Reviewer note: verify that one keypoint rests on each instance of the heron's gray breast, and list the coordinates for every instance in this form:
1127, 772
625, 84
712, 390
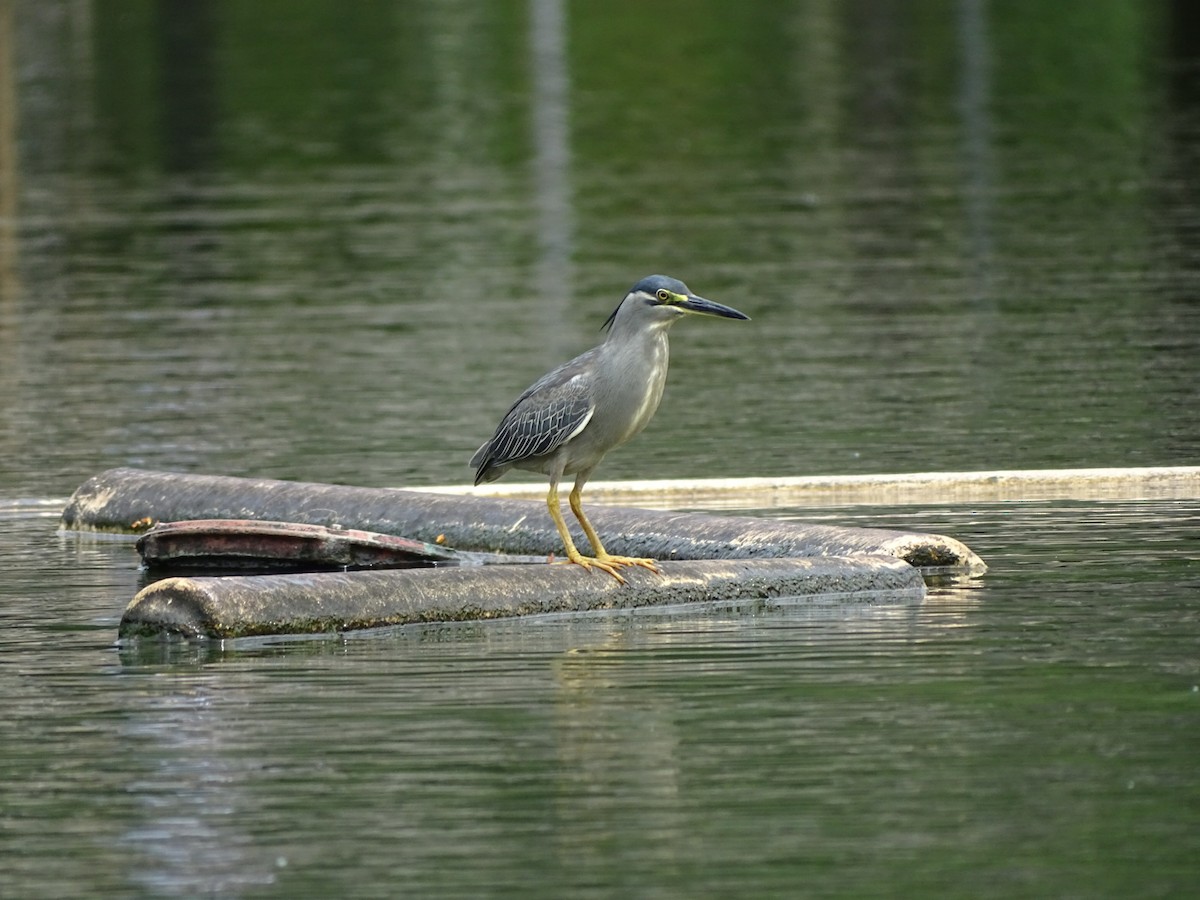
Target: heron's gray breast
629, 394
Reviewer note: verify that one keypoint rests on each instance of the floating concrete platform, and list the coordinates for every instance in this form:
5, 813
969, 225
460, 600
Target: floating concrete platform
703, 557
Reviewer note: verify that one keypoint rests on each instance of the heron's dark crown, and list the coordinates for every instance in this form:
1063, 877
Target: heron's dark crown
650, 285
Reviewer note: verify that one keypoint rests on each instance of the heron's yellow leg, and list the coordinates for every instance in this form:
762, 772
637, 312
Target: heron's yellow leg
573, 554
556, 514
603, 559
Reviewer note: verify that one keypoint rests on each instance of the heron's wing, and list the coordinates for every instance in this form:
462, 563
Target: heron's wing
539, 425
552, 411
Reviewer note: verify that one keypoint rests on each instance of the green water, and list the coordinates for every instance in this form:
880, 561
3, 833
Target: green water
332, 242
1032, 733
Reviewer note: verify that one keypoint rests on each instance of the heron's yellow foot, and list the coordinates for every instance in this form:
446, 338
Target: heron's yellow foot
610, 564
631, 561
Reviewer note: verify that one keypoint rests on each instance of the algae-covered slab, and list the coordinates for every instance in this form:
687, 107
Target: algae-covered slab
242, 606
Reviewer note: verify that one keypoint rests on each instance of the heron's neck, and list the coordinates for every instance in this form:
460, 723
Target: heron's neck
626, 332
642, 353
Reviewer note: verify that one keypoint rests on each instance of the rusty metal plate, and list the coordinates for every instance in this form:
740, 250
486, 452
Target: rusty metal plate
278, 546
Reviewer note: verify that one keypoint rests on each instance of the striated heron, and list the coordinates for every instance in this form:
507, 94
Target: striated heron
572, 416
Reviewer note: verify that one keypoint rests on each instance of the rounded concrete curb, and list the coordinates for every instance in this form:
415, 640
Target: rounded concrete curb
244, 606
121, 499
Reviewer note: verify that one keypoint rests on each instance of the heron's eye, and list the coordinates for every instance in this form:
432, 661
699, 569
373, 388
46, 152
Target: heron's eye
664, 295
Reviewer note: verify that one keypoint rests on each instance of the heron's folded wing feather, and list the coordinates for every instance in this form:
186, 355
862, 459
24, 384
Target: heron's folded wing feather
539, 424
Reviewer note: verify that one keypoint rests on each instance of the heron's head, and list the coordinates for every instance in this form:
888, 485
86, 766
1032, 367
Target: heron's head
660, 300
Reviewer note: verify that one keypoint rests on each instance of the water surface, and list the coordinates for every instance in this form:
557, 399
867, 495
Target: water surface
334, 245
1031, 732
332, 242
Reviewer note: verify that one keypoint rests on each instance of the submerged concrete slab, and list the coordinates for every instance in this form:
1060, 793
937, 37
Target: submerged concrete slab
243, 606
124, 499
1125, 483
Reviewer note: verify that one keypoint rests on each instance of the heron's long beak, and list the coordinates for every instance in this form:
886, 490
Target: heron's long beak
710, 308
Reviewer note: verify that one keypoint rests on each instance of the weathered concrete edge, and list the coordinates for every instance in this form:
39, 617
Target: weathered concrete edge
116, 499
1132, 483
237, 606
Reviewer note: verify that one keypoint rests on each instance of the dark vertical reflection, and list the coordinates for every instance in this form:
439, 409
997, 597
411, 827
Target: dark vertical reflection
882, 119
974, 108
8, 167
1184, 53
1183, 129
1178, 319
186, 34
9, 280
